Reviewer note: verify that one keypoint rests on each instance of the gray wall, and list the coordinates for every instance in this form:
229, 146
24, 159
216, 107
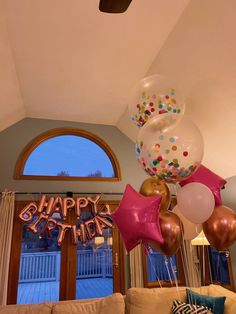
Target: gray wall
16, 137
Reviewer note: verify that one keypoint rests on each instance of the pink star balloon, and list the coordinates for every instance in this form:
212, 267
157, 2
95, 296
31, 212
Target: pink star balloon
210, 179
137, 218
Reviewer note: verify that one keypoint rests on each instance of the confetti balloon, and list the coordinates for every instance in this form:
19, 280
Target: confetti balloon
154, 95
169, 147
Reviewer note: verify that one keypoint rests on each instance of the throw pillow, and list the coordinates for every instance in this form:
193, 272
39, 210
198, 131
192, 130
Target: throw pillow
185, 308
216, 304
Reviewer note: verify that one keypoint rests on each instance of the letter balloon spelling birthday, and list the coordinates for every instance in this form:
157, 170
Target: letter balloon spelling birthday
154, 95
170, 147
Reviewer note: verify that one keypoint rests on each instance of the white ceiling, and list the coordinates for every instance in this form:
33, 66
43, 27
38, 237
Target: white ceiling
66, 60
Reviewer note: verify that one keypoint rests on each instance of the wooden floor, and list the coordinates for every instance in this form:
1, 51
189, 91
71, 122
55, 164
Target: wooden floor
49, 291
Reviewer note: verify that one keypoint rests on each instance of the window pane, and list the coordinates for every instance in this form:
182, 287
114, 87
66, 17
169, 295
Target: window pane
219, 266
69, 155
39, 273
94, 272
160, 267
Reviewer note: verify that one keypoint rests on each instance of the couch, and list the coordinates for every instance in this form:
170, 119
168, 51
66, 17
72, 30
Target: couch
136, 301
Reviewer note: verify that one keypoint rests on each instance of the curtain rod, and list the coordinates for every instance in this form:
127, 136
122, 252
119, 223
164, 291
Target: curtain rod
69, 193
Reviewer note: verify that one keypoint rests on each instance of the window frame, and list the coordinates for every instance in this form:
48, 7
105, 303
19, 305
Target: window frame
164, 283
33, 144
206, 278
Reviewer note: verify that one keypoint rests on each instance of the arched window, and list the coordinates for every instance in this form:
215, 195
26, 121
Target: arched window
68, 154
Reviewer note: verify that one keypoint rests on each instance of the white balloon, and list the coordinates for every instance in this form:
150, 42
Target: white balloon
196, 202
191, 230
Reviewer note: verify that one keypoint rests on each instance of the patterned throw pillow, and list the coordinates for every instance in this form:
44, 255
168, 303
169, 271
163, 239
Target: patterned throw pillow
180, 307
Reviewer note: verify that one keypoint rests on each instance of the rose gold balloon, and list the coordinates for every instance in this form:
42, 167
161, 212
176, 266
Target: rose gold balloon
220, 228
78, 233
81, 202
28, 212
90, 228
105, 211
63, 227
154, 186
67, 204
34, 226
104, 222
172, 231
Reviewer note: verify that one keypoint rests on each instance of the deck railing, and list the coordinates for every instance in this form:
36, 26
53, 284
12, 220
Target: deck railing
45, 266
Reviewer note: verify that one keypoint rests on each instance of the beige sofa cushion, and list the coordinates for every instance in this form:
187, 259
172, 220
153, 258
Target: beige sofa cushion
156, 300
153, 301
230, 303
41, 308
113, 304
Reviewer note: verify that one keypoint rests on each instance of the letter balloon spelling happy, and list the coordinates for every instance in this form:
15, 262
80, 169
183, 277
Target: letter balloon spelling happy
137, 218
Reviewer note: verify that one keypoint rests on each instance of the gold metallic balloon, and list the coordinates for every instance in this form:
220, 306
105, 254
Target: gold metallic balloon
172, 232
220, 228
154, 186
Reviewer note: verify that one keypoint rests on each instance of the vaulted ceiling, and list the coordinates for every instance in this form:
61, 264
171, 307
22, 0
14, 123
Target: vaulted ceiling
66, 60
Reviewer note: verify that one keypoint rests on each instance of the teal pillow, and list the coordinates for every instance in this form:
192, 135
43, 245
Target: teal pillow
215, 304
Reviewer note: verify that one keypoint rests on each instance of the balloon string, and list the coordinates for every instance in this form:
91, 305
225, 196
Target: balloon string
168, 271
175, 277
185, 260
154, 269
188, 269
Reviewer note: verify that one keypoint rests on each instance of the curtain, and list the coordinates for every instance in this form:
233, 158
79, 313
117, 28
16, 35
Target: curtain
6, 225
193, 274
136, 267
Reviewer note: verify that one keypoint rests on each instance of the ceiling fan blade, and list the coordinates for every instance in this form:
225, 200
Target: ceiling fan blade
114, 6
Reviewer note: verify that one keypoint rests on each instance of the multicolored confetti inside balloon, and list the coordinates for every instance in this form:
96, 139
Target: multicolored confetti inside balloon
171, 155
154, 96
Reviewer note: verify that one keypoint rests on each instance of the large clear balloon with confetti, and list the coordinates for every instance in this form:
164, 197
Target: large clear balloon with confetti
169, 147
154, 95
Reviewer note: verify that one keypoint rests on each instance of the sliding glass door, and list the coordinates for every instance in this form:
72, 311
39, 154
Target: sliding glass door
40, 270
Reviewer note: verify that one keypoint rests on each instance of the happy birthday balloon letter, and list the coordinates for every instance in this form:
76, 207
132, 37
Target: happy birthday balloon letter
154, 95
137, 218
210, 179
169, 147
